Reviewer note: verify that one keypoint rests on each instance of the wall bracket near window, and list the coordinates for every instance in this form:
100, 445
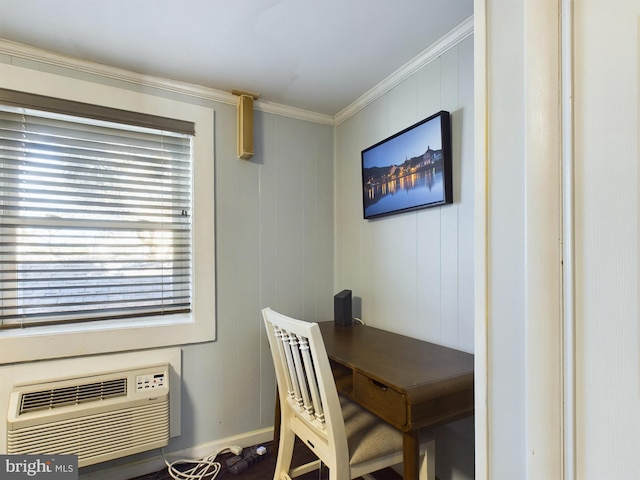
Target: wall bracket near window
245, 123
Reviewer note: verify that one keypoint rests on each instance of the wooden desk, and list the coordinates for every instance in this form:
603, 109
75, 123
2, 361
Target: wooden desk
407, 382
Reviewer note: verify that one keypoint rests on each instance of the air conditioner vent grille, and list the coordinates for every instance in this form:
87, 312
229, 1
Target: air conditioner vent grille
72, 395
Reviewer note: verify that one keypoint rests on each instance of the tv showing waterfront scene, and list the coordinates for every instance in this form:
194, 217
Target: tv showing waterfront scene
409, 170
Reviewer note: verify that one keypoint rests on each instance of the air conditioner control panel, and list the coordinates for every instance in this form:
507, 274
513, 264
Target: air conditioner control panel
151, 381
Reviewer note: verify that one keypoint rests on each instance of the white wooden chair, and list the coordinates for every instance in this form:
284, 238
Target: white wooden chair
348, 439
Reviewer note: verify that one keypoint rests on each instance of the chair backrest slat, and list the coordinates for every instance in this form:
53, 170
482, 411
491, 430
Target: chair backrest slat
303, 382
282, 346
290, 365
312, 381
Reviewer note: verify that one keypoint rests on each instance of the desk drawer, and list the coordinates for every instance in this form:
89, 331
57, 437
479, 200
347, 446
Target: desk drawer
386, 402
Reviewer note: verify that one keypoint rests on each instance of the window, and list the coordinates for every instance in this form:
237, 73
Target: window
102, 248
95, 215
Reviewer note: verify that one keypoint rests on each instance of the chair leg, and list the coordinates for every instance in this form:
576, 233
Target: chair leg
285, 454
428, 461
337, 473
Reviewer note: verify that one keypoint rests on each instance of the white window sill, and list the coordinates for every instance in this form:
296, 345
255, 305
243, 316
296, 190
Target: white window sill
59, 341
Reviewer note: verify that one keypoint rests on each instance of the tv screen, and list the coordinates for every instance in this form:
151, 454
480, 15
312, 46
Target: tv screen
409, 170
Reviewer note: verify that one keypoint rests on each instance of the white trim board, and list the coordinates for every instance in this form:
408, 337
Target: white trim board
481, 320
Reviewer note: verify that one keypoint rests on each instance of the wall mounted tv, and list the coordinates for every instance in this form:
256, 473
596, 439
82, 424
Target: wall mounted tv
409, 170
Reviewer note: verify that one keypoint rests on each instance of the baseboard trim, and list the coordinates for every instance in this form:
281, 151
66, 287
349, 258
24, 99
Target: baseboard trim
155, 463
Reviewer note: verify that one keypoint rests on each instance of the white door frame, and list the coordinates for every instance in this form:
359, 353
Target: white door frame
481, 323
548, 264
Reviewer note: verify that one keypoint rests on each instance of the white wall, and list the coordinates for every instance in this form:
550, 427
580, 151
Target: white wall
606, 250
274, 234
413, 272
506, 242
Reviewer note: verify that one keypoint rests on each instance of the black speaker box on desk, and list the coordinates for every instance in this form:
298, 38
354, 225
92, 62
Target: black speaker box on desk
342, 313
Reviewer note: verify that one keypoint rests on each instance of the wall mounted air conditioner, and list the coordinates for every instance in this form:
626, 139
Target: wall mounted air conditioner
97, 418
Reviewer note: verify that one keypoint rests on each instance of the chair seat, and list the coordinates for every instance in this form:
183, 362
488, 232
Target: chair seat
368, 436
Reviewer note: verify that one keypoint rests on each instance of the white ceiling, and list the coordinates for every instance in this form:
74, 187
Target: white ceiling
316, 55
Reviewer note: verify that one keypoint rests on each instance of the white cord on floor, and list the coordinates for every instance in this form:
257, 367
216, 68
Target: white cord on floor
205, 468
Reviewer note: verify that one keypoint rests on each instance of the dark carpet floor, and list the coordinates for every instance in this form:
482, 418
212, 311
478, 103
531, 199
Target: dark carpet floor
264, 469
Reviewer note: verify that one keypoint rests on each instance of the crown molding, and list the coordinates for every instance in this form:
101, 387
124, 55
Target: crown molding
451, 39
26, 52
293, 112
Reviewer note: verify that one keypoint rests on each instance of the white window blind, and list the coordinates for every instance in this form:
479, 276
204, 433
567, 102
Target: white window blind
95, 214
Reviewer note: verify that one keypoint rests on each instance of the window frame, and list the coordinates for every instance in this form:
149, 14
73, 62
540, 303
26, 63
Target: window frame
59, 341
